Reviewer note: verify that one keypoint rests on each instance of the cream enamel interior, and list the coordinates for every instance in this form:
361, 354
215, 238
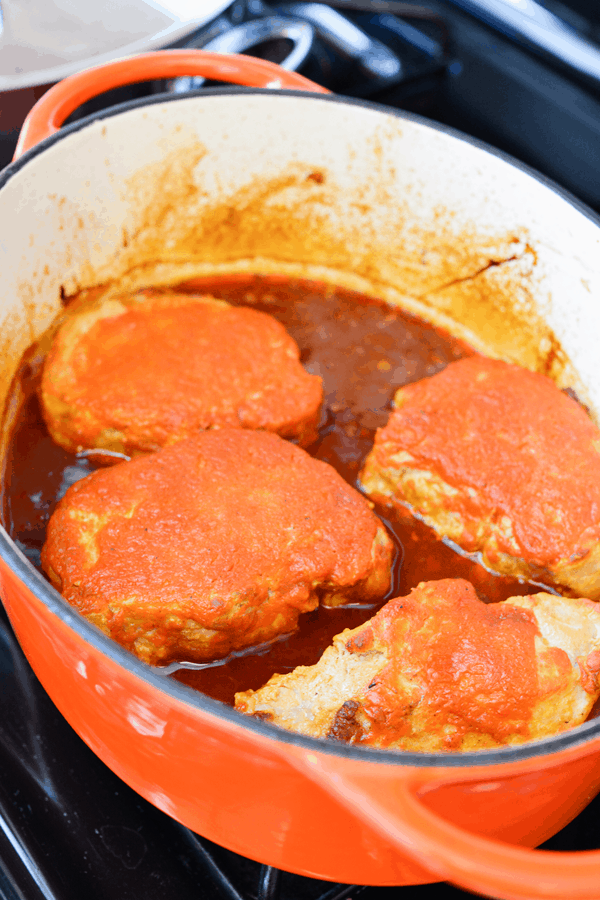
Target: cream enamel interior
302, 185
314, 188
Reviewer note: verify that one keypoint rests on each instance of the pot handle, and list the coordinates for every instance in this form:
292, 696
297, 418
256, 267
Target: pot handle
63, 98
476, 863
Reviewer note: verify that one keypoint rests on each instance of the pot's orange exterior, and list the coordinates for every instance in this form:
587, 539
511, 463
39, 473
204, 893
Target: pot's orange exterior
235, 788
298, 804
250, 793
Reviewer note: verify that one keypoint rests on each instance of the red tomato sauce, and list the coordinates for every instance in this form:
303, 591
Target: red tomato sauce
542, 467
475, 665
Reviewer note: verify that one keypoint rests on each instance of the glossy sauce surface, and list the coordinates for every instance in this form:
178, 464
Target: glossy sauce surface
364, 351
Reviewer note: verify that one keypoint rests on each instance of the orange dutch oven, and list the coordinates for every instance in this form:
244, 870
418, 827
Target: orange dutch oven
169, 188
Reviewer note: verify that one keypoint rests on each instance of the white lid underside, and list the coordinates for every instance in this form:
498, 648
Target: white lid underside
43, 41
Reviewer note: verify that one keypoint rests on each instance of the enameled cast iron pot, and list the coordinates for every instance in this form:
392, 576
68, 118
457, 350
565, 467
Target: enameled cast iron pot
280, 181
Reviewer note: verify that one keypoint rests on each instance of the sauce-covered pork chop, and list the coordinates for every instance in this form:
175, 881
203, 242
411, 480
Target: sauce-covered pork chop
503, 463
137, 373
440, 670
213, 545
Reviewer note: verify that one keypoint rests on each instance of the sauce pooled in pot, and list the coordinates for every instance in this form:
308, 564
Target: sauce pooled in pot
364, 350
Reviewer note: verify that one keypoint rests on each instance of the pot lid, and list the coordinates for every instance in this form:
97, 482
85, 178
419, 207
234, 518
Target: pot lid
42, 41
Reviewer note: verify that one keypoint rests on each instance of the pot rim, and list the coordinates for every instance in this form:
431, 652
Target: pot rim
52, 599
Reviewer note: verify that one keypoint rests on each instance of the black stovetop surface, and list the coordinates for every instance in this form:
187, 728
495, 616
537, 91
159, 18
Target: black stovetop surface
69, 828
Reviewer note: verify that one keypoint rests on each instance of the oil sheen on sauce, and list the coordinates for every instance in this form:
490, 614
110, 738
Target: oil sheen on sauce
364, 350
